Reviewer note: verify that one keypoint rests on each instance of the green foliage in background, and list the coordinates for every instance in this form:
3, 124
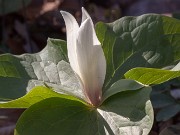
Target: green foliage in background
8, 6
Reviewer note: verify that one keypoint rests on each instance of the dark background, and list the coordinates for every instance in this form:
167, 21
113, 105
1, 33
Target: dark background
26, 29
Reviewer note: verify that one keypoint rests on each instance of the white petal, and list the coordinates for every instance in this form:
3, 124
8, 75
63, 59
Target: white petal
72, 28
85, 16
91, 61
176, 68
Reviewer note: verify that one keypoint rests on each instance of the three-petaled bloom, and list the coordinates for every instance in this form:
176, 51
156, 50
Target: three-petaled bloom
86, 56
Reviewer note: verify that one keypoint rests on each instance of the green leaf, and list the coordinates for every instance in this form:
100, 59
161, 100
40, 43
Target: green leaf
128, 112
145, 41
167, 112
150, 76
120, 86
160, 100
8, 6
56, 116
35, 95
19, 74
8, 70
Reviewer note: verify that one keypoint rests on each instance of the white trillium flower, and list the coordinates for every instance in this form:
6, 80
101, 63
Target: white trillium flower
86, 56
